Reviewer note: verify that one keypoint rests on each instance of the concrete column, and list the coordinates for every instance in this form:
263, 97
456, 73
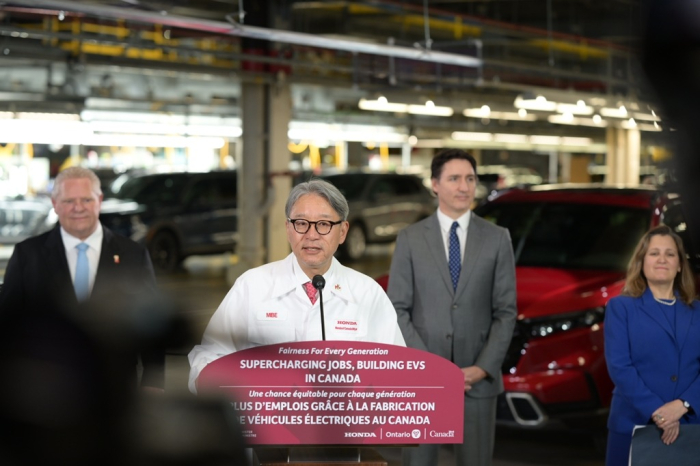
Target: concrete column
280, 111
579, 168
263, 185
406, 154
476, 153
553, 176
565, 163
251, 180
355, 155
622, 160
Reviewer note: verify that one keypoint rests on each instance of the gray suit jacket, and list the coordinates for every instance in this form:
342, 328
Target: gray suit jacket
472, 325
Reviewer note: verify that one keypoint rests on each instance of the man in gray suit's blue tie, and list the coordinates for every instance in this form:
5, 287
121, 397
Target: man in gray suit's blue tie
452, 282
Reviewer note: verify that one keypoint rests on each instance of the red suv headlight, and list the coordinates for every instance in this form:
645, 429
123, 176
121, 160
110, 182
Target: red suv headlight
541, 327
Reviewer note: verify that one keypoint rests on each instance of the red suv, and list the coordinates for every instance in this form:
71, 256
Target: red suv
572, 245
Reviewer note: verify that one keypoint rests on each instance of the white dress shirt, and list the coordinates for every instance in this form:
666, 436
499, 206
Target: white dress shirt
268, 305
445, 227
94, 241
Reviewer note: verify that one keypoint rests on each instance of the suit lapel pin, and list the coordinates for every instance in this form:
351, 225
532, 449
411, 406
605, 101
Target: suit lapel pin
116, 259
337, 287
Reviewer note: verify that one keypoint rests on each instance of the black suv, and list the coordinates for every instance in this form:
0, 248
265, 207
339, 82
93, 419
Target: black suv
381, 205
175, 214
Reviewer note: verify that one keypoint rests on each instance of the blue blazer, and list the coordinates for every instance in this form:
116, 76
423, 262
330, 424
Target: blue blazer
647, 362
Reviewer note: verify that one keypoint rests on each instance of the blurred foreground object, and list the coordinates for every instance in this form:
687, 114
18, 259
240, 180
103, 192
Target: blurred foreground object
69, 395
671, 61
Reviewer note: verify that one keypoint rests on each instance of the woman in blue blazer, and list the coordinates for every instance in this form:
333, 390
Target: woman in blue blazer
652, 345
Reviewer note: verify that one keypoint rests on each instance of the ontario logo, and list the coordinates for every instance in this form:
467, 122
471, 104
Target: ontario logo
415, 433
361, 434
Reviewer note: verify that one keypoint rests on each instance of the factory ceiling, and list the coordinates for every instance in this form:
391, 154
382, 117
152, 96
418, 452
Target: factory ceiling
193, 54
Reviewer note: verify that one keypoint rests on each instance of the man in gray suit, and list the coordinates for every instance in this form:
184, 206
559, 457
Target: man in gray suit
452, 282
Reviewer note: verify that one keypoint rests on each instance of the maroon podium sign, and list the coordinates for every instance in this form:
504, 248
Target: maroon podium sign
340, 392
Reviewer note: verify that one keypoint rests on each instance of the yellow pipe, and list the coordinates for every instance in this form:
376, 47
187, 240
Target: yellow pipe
457, 29
223, 153
339, 146
314, 156
75, 29
582, 50
295, 148
169, 154
7, 149
71, 161
384, 154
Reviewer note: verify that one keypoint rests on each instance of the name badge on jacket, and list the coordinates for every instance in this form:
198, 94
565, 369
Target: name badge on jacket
346, 325
271, 315
270, 326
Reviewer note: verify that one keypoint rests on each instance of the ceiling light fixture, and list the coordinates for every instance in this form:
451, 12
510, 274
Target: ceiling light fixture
630, 124
646, 116
486, 112
521, 139
575, 109
574, 141
540, 103
383, 105
610, 112
433, 110
472, 136
323, 133
566, 119
545, 140
511, 138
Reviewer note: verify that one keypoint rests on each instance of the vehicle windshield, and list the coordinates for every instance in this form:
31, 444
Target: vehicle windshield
19, 221
164, 189
351, 185
570, 236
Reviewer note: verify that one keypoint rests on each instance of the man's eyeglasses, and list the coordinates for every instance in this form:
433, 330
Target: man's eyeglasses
323, 227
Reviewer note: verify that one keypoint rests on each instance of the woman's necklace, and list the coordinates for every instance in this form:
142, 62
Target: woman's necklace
667, 302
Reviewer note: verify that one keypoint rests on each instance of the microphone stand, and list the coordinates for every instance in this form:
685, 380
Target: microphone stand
323, 320
319, 282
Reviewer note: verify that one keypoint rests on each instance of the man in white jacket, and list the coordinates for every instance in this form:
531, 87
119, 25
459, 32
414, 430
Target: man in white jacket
276, 302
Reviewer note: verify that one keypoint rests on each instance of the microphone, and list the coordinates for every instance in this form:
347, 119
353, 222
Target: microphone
319, 282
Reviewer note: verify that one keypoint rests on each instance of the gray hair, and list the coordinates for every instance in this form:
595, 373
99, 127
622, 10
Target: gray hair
74, 173
321, 188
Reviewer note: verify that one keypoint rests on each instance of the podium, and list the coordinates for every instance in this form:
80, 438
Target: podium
300, 456
329, 402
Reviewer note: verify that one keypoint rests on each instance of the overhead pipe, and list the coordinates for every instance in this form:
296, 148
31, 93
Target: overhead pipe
400, 6
254, 32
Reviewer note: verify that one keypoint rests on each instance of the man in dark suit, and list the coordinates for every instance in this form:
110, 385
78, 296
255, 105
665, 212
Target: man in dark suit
76, 311
452, 282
